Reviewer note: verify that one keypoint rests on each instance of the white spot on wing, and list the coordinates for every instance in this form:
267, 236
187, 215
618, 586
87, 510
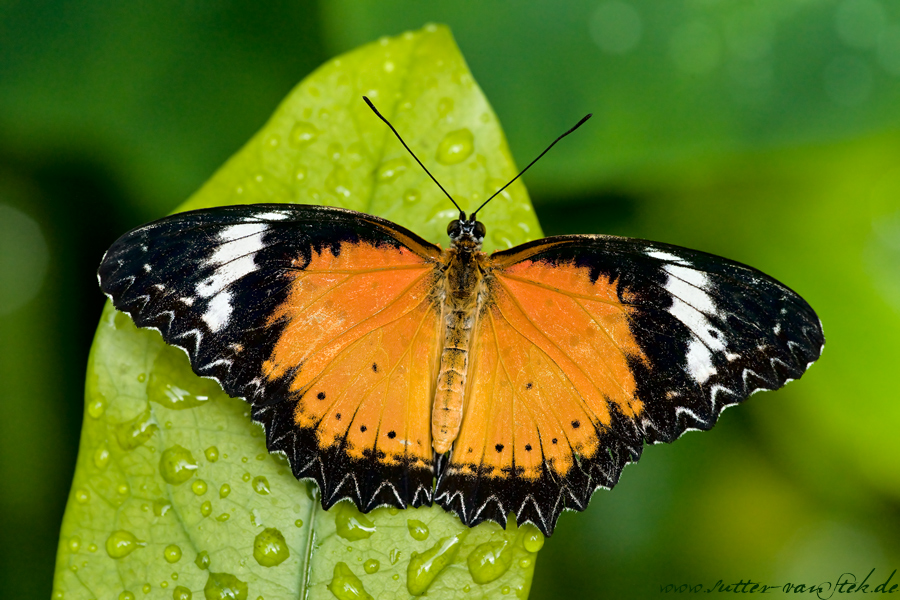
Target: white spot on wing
272, 216
234, 257
691, 303
662, 255
218, 312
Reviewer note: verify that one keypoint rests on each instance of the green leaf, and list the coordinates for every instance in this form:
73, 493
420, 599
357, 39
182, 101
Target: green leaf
175, 495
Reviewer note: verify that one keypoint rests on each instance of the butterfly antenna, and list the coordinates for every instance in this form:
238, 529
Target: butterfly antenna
577, 125
388, 123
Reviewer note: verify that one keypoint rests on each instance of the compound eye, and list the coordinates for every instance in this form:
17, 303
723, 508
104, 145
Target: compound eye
480, 229
453, 228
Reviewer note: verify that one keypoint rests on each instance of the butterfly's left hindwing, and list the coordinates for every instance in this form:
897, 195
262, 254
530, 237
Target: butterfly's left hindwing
589, 346
323, 319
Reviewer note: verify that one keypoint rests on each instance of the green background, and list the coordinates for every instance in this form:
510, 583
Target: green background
765, 131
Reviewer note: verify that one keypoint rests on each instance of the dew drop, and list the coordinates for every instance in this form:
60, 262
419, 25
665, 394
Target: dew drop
300, 174
181, 593
198, 486
246, 476
263, 455
395, 576
164, 584
223, 517
177, 465
172, 553
206, 508
371, 566
121, 543
466, 588
224, 490
146, 588
505, 590
261, 485
532, 538
417, 529
126, 595
136, 432
92, 547
161, 507
394, 556
270, 548
224, 586
411, 196
74, 543
391, 169
101, 457
489, 561
347, 586
179, 389
456, 147
202, 560
122, 489
525, 563
82, 496
298, 523
255, 518
142, 377
445, 105
424, 568
351, 524
96, 407
212, 454
338, 182
302, 134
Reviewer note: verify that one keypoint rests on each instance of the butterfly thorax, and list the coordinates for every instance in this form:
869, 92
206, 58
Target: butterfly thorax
463, 293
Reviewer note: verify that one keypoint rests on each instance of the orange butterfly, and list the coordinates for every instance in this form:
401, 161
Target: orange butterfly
522, 380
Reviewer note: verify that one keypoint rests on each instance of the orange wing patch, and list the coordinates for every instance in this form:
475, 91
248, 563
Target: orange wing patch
550, 381
359, 351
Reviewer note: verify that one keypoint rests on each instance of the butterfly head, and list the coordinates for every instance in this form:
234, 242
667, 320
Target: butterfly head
466, 234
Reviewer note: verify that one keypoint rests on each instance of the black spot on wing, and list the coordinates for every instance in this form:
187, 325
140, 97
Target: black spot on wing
488, 495
367, 482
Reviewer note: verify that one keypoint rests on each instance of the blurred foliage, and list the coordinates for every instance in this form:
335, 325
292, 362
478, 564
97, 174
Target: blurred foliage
766, 131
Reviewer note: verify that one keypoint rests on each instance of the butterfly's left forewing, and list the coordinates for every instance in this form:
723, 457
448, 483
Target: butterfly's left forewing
325, 320
589, 346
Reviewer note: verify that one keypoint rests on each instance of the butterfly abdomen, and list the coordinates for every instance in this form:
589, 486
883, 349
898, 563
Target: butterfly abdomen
463, 291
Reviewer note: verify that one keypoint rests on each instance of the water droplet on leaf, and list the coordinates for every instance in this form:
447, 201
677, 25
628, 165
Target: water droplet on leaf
489, 561
172, 553
261, 485
121, 543
347, 586
224, 586
424, 568
456, 147
351, 524
417, 529
270, 548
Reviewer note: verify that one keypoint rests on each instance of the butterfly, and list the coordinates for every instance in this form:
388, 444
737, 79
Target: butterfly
397, 373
